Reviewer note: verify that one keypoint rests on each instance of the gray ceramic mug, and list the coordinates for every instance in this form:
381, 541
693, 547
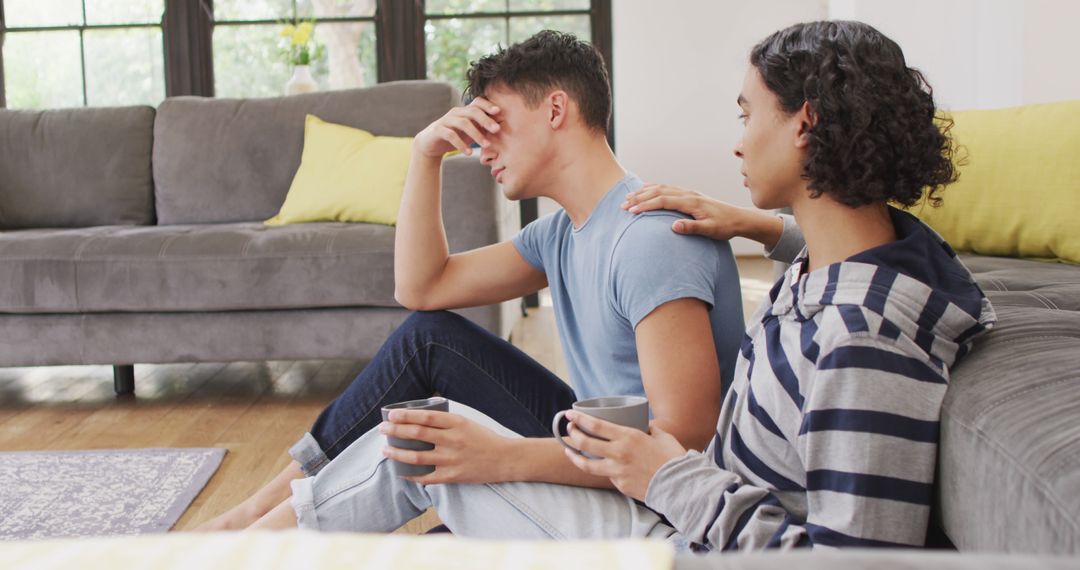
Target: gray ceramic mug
630, 411
408, 469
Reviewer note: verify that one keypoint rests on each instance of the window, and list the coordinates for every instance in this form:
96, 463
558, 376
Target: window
71, 53
247, 60
458, 32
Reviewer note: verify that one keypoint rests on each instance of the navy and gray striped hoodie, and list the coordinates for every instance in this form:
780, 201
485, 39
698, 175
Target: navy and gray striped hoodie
829, 433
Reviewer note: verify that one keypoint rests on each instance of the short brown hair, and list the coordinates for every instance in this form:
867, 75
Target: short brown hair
546, 61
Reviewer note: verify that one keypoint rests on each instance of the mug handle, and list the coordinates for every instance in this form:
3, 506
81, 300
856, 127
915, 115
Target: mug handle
558, 435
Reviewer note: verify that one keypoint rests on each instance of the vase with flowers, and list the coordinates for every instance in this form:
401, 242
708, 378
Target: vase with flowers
298, 46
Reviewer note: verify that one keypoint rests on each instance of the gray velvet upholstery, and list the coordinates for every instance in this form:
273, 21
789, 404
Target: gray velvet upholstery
1009, 470
109, 338
468, 189
76, 167
232, 160
209, 267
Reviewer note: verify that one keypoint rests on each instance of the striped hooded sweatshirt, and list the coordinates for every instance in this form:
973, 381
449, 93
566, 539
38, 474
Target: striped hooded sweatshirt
829, 433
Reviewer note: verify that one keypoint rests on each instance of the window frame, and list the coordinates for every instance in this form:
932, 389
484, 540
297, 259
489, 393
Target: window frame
187, 34
81, 28
208, 63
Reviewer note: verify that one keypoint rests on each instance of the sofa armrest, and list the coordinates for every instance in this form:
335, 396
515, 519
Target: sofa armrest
475, 213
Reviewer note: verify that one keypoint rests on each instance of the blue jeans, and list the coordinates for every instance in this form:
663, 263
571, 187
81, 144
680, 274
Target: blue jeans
438, 352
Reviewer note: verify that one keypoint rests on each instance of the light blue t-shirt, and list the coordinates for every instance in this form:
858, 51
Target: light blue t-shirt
610, 273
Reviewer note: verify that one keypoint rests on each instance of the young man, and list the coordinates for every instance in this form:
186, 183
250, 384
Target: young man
640, 311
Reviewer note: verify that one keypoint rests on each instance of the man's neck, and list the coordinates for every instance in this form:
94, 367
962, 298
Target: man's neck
835, 232
584, 171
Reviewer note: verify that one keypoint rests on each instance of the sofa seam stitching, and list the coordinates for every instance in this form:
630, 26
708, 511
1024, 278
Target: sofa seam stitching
1035, 480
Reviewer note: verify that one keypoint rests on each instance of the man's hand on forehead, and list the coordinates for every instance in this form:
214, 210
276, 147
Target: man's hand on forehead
459, 128
490, 108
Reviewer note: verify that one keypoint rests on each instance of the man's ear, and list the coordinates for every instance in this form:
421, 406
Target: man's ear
558, 107
806, 119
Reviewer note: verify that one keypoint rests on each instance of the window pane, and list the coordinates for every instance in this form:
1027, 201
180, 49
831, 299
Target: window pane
252, 10
544, 5
34, 13
453, 44
247, 61
124, 67
335, 8
350, 55
463, 6
521, 28
124, 11
42, 70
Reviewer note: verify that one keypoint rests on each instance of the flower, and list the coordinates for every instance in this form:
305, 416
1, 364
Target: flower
298, 43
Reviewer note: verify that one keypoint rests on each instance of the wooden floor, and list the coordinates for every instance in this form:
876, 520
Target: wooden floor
255, 410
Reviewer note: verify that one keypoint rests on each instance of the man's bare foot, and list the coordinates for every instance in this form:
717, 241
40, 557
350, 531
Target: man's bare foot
279, 518
256, 506
237, 518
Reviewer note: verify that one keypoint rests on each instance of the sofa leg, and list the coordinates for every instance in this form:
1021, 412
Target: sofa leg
124, 379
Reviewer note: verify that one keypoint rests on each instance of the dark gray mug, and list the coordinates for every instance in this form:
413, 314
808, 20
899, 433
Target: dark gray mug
630, 411
408, 469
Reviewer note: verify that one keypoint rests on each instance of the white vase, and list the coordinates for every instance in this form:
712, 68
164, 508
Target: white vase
301, 81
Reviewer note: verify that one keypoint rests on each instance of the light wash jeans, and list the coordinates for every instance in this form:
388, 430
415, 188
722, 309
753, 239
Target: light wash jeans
357, 492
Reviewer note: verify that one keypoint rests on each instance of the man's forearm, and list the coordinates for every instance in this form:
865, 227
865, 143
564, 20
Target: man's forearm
420, 247
543, 460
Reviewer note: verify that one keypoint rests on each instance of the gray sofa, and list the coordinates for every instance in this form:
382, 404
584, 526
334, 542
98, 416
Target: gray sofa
134, 235
1009, 462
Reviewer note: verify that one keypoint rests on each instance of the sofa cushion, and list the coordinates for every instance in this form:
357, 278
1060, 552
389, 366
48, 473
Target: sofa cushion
1009, 473
232, 160
1014, 162
76, 167
197, 268
346, 175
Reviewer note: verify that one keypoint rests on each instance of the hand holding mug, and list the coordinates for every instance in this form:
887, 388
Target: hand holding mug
631, 411
627, 456
454, 448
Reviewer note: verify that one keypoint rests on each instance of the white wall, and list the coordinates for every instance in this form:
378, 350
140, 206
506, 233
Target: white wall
1051, 54
971, 51
982, 54
678, 68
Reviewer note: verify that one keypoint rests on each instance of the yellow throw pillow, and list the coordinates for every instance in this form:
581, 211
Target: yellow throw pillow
1019, 193
346, 175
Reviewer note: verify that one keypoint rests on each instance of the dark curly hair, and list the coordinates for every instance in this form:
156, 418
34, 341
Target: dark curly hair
874, 135
546, 61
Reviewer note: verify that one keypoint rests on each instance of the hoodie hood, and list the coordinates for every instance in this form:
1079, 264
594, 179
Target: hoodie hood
916, 283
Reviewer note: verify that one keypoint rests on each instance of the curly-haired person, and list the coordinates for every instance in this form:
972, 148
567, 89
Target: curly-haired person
828, 435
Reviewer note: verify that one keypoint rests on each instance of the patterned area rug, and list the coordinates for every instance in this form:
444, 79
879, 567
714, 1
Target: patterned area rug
50, 494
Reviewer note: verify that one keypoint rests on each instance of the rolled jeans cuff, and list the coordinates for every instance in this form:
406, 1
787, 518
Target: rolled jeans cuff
309, 455
303, 502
